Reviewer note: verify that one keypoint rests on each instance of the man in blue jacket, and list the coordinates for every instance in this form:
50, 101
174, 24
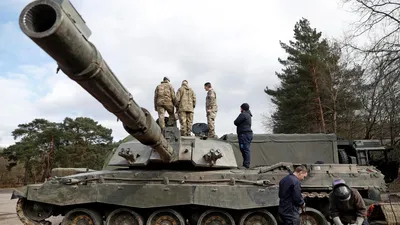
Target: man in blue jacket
290, 198
244, 132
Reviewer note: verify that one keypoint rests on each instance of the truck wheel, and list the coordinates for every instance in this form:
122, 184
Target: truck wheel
343, 158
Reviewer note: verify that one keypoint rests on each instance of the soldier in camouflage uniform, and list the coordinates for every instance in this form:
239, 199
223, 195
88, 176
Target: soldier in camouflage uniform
185, 104
164, 100
211, 109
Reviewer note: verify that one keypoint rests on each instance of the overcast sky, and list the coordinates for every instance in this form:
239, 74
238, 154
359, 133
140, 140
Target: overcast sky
232, 44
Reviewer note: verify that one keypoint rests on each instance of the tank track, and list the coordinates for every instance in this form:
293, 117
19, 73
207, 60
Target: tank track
25, 218
174, 215
315, 195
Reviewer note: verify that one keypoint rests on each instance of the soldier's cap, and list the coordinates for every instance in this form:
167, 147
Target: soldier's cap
185, 81
166, 79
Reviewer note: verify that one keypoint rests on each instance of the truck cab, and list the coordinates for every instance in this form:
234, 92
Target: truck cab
368, 153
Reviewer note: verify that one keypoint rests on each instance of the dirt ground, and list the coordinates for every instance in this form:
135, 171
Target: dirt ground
7, 210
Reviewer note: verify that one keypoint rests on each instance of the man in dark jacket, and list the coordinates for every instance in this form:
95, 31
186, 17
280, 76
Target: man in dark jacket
290, 198
244, 132
346, 205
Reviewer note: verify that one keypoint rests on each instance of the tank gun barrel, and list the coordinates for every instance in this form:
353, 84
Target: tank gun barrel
57, 28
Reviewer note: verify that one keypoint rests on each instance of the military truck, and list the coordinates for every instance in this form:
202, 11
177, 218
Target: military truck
369, 152
156, 178
271, 148
267, 149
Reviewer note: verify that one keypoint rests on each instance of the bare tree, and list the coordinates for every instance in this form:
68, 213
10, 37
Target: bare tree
379, 26
267, 122
377, 17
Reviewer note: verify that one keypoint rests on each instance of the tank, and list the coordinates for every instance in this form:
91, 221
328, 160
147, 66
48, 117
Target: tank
154, 178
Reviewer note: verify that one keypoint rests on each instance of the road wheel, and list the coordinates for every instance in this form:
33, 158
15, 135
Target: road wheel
82, 216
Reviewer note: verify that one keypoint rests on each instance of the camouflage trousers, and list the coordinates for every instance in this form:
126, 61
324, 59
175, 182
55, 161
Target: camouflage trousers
186, 121
161, 111
211, 123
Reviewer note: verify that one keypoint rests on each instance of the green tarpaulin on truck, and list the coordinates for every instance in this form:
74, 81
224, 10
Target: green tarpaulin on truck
268, 149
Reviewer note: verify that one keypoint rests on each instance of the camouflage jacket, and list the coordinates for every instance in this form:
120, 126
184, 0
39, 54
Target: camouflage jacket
185, 99
211, 101
164, 95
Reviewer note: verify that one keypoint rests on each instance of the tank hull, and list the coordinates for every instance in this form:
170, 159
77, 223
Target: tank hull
234, 191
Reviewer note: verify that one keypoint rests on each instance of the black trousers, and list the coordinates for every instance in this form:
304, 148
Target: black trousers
290, 220
244, 145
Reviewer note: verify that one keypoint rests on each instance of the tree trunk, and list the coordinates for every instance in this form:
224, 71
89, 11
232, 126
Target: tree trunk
334, 114
321, 111
26, 167
334, 122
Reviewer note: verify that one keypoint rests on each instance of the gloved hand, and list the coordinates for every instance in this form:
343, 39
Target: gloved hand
337, 221
359, 221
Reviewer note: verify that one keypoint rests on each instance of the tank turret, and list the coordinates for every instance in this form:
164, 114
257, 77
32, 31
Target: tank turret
57, 28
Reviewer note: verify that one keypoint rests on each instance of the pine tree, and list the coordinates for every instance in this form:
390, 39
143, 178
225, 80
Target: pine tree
318, 92
298, 99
